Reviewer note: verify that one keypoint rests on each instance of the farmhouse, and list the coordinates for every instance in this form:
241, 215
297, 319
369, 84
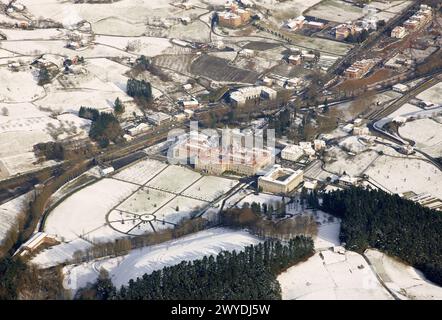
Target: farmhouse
280, 180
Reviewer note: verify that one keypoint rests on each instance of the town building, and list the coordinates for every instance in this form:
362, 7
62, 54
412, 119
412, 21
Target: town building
138, 129
359, 68
234, 17
292, 152
191, 104
211, 157
240, 97
342, 32
280, 180
401, 88
296, 23
158, 118
398, 32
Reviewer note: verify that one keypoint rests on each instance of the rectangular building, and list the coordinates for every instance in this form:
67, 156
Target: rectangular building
280, 180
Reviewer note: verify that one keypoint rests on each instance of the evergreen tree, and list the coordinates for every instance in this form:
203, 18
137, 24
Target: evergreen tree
118, 107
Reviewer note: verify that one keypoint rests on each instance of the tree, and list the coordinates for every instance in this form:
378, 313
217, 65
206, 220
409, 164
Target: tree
326, 106
104, 287
139, 89
143, 63
118, 107
43, 76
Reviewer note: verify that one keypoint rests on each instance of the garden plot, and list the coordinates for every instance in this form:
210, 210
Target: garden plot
209, 188
432, 95
174, 179
141, 172
9, 213
83, 213
405, 281
20, 86
180, 208
336, 11
219, 70
427, 134
145, 201
156, 257
400, 175
332, 276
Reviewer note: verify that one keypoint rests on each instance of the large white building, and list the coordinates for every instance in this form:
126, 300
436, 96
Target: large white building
280, 180
292, 152
241, 96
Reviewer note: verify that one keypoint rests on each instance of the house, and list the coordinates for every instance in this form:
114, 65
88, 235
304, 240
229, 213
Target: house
191, 104
319, 144
294, 59
342, 32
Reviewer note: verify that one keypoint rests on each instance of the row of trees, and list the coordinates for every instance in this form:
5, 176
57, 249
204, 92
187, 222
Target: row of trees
391, 224
260, 225
123, 246
247, 275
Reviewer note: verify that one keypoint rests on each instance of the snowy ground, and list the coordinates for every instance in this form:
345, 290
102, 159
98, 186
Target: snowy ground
332, 276
143, 198
149, 259
427, 134
400, 175
406, 281
432, 95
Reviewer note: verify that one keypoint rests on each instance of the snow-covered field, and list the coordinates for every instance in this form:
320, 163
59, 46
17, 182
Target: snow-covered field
335, 10
208, 188
405, 281
149, 259
432, 95
20, 86
141, 172
400, 175
332, 276
83, 213
174, 179
116, 207
427, 134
